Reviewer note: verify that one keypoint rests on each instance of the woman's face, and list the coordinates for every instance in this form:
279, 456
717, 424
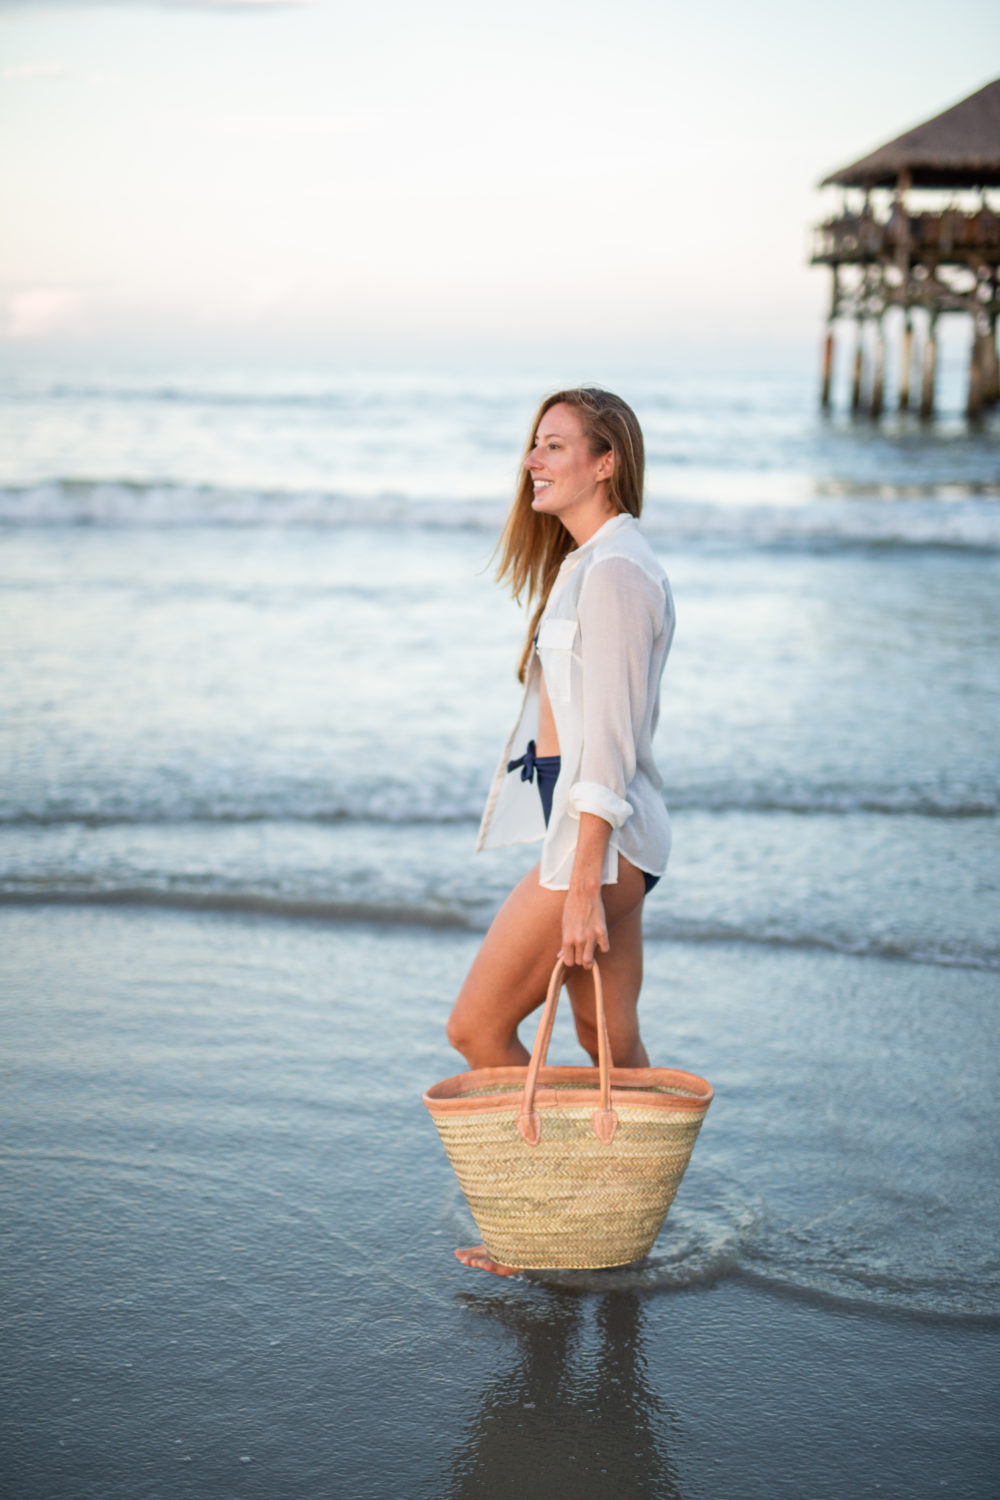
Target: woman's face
564, 473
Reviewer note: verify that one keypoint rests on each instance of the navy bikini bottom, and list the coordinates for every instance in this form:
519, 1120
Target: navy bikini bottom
546, 768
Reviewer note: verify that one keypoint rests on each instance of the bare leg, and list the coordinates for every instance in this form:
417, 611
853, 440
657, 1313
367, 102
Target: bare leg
510, 975
621, 976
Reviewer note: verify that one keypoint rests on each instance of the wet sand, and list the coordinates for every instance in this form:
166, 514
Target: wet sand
229, 1227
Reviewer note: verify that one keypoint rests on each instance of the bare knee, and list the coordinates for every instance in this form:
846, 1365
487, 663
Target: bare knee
484, 1041
465, 1029
461, 1034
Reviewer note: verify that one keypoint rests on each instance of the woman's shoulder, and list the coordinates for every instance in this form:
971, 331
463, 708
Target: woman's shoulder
628, 586
624, 553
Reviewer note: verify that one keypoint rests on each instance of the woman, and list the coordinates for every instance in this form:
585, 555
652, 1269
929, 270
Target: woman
591, 666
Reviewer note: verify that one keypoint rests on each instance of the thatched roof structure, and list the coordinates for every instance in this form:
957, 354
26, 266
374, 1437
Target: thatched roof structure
957, 149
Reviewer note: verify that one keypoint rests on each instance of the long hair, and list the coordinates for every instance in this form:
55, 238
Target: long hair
532, 545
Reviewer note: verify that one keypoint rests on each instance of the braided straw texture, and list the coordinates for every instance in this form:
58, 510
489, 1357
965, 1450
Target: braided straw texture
572, 1201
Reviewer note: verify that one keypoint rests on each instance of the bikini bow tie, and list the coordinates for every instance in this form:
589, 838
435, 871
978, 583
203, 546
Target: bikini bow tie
526, 763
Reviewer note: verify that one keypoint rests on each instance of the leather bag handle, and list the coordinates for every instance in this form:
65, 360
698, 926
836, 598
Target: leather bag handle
605, 1120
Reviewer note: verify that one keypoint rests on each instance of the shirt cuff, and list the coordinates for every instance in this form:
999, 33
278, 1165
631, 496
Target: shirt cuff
591, 797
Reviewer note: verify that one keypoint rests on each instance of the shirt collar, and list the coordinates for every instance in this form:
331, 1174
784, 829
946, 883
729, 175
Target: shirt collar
613, 524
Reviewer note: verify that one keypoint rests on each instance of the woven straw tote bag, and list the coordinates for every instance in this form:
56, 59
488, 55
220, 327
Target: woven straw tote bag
569, 1167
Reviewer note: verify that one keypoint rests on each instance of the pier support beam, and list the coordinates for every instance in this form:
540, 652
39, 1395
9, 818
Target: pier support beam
929, 371
878, 372
905, 363
859, 368
824, 399
974, 405
831, 318
991, 369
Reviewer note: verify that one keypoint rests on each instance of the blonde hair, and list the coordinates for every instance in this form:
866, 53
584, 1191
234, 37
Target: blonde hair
532, 545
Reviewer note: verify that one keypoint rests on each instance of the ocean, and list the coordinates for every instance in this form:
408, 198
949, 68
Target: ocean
254, 681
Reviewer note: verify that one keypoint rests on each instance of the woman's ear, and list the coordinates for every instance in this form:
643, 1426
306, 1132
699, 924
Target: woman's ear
606, 467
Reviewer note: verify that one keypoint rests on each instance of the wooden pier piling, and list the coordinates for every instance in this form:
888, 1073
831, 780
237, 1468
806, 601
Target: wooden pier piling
878, 373
827, 369
859, 368
991, 370
905, 363
974, 403
929, 371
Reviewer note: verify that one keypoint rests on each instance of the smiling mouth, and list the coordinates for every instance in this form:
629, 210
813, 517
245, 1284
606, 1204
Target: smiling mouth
541, 484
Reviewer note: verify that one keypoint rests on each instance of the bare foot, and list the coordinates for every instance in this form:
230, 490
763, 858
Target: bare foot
480, 1257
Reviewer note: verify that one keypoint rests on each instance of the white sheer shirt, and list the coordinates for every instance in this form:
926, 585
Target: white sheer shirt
602, 645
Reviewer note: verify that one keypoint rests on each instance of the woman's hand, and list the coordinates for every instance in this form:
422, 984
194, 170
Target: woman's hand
584, 927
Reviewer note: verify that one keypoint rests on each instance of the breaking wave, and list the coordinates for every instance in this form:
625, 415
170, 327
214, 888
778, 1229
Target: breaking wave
962, 517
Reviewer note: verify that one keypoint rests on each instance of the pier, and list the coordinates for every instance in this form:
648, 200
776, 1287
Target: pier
918, 229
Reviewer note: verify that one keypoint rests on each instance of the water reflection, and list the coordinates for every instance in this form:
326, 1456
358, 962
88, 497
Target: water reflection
575, 1414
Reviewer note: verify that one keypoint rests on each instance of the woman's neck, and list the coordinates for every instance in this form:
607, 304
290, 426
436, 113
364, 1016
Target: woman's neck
588, 521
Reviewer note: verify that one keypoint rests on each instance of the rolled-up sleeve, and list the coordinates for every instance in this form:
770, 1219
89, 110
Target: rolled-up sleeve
621, 611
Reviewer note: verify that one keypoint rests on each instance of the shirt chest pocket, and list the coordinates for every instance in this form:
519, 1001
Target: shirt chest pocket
556, 639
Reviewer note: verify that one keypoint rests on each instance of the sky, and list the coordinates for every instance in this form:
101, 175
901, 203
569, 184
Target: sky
304, 177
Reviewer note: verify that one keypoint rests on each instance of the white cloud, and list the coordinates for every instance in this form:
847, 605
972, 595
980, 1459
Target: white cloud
40, 312
27, 70
56, 72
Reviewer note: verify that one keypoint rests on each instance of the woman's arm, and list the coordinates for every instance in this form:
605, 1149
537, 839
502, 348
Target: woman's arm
620, 613
584, 927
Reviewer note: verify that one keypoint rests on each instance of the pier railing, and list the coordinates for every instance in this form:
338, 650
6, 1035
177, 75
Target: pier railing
949, 237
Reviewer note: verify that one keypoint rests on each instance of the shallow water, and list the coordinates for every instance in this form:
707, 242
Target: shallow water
254, 684
295, 721
229, 1223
